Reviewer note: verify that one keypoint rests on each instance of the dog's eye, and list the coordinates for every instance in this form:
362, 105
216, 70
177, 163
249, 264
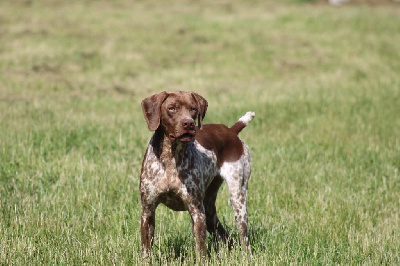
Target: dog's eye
193, 109
171, 108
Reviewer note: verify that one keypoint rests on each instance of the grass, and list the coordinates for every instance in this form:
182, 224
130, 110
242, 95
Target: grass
325, 144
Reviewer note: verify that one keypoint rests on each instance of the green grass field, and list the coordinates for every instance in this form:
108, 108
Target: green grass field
323, 81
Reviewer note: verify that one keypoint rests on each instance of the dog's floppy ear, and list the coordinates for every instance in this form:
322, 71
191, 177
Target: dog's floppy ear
151, 107
202, 105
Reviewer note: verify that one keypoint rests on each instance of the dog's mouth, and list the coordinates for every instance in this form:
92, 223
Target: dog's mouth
185, 137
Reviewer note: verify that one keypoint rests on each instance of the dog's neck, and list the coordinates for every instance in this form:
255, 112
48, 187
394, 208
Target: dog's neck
167, 150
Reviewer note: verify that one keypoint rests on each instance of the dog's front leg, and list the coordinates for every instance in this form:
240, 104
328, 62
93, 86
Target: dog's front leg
199, 228
147, 230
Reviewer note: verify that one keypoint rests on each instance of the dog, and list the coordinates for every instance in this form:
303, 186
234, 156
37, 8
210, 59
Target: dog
184, 166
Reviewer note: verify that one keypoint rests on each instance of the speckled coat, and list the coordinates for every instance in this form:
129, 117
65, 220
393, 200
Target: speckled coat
184, 166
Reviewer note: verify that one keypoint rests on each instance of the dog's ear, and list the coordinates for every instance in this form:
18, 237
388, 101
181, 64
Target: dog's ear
202, 107
151, 107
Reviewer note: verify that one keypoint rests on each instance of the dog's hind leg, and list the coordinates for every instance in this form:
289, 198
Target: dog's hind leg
214, 226
237, 174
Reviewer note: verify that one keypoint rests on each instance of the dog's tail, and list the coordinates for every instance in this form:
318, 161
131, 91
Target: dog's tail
242, 122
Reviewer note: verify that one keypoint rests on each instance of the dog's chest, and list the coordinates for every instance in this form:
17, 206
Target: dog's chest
180, 170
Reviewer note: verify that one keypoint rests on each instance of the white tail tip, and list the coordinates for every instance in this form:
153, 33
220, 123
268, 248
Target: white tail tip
247, 118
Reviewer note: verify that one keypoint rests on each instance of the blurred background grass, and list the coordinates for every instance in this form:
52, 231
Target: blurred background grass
322, 80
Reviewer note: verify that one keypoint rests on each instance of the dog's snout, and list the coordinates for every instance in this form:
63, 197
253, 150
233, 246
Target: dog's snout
187, 123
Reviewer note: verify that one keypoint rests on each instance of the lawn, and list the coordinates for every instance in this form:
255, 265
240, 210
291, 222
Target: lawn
323, 81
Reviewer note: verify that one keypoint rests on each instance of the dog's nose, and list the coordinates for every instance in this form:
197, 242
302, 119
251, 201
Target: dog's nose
187, 123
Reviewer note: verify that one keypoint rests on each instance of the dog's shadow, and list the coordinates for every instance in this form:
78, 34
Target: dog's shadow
181, 247
177, 247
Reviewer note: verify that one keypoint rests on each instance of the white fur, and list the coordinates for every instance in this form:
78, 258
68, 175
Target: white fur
247, 118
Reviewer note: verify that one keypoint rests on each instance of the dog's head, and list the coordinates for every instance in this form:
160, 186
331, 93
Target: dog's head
175, 113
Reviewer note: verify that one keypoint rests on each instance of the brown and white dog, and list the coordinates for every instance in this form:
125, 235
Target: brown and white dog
185, 165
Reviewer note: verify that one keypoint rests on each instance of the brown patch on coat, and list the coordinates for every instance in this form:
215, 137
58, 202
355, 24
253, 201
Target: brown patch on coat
222, 141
